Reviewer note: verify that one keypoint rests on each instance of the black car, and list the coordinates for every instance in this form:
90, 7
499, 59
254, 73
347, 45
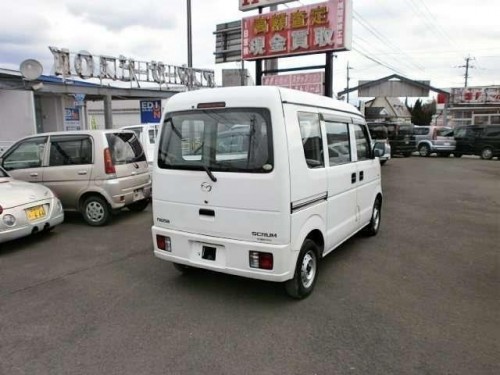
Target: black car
400, 136
481, 140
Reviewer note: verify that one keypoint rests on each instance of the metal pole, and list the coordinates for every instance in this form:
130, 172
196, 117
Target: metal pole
189, 36
258, 66
329, 75
271, 64
108, 112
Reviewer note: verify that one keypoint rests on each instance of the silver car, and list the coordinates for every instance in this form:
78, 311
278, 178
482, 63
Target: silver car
26, 208
434, 139
94, 172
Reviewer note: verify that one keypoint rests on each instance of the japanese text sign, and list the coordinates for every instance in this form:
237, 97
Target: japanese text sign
476, 95
310, 29
308, 82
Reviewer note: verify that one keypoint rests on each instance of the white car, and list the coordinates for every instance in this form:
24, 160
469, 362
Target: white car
26, 208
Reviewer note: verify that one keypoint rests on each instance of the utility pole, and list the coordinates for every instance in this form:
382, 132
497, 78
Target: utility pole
467, 66
348, 79
189, 45
271, 64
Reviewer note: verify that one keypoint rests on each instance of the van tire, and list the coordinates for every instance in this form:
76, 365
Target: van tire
374, 225
457, 155
487, 153
96, 211
406, 154
424, 150
382, 162
306, 271
139, 205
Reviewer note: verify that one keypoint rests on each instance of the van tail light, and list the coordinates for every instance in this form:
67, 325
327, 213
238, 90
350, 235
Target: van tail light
163, 243
261, 260
109, 167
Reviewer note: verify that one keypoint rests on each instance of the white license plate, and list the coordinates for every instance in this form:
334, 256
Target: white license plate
138, 194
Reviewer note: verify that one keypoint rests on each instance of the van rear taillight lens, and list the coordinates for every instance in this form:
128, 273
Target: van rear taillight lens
109, 167
163, 243
261, 260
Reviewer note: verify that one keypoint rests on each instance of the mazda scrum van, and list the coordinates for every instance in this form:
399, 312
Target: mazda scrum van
94, 172
262, 182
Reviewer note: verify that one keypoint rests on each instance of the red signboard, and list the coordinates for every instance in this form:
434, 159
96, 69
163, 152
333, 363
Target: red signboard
309, 82
254, 4
310, 29
476, 95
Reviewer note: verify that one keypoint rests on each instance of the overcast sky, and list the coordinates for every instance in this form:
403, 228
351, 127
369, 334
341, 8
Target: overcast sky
420, 39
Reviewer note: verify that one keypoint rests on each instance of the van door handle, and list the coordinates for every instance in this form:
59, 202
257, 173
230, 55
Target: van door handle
205, 212
361, 175
33, 174
353, 178
82, 173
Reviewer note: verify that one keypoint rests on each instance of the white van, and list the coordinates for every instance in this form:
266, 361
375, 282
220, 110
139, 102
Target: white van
262, 182
146, 133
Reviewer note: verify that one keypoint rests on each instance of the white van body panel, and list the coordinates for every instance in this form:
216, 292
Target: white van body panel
272, 211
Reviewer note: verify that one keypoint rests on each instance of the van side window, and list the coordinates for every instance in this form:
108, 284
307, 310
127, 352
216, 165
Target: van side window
493, 132
27, 154
362, 143
67, 150
339, 146
312, 142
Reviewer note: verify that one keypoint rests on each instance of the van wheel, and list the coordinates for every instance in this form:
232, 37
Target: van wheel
406, 154
487, 153
424, 150
306, 271
374, 225
96, 211
139, 205
382, 162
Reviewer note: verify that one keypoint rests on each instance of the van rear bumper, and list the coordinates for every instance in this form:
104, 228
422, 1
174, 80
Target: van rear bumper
232, 256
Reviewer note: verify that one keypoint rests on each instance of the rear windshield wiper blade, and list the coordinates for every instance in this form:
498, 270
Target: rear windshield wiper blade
210, 174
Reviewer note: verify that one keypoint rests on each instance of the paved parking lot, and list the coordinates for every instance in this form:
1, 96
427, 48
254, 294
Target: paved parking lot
420, 298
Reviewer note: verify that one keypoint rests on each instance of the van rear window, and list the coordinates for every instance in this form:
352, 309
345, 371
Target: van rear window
125, 148
229, 140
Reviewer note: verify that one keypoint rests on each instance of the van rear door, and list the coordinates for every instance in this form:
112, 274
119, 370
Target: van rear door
216, 176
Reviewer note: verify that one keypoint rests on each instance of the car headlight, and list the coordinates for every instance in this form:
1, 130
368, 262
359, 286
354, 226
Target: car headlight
9, 220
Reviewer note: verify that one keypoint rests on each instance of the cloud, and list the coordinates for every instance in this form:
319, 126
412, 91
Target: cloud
116, 15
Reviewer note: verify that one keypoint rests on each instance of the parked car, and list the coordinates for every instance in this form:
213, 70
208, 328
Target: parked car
146, 133
93, 172
400, 136
380, 134
26, 208
481, 140
434, 139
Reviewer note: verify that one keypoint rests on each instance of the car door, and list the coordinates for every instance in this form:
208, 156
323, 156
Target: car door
25, 160
342, 180
69, 167
367, 173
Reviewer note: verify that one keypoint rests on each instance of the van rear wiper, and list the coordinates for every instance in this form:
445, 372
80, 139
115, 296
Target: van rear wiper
210, 174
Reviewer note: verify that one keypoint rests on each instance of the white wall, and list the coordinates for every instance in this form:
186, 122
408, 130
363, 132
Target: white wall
17, 116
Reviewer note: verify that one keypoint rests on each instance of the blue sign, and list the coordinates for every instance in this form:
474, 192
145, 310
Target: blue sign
150, 111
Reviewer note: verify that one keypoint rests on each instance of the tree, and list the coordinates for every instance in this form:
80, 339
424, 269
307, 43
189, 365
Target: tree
421, 114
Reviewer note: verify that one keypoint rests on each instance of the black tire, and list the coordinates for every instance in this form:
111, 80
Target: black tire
139, 205
182, 268
374, 225
406, 154
306, 271
382, 162
457, 155
96, 211
424, 150
444, 154
487, 153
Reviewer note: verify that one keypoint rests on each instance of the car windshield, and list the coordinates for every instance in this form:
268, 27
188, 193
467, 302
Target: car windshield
230, 140
378, 131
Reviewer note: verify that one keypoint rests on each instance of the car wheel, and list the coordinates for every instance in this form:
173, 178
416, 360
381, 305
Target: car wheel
306, 271
424, 150
382, 162
182, 268
457, 155
139, 205
374, 225
487, 153
406, 154
96, 211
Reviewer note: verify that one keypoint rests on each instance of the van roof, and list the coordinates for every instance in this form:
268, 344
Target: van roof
79, 132
255, 96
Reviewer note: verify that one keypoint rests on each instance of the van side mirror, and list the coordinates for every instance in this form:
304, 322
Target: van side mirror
378, 149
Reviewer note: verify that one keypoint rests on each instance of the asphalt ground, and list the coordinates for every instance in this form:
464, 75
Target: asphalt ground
422, 297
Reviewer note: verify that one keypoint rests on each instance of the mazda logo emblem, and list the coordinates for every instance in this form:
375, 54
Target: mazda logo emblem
206, 187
